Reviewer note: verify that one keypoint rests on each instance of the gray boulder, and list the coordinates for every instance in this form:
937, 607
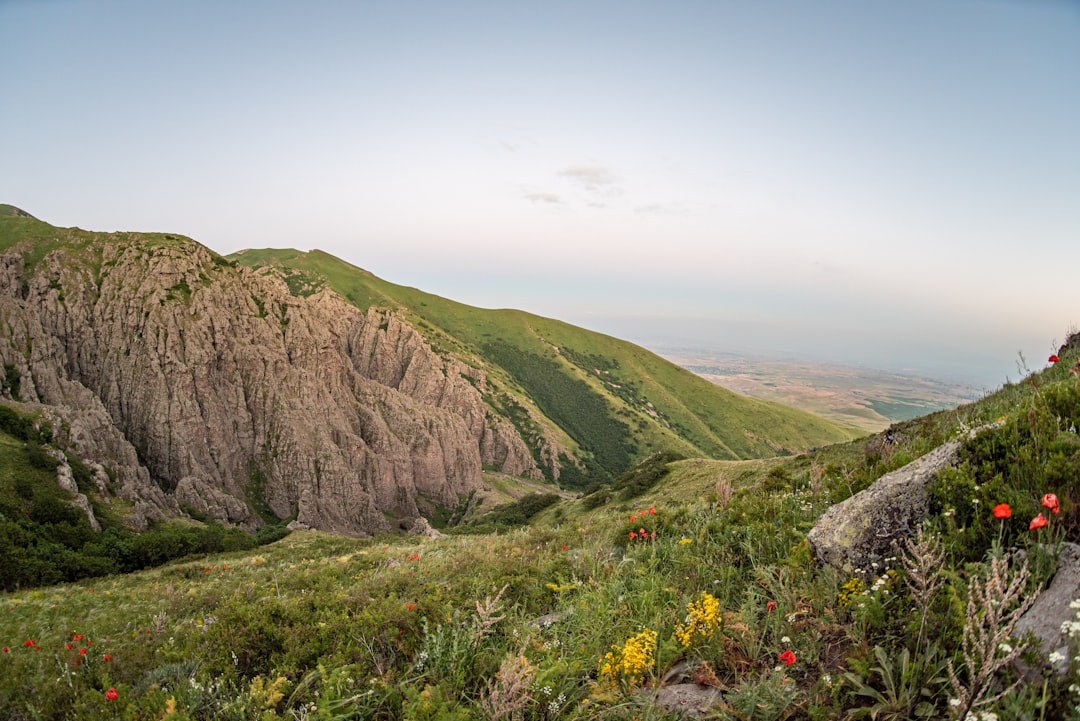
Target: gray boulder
1051, 610
864, 530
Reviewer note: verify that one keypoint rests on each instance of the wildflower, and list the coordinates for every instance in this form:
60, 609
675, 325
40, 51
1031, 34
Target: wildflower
112, 694
653, 535
1038, 522
1055, 657
652, 511
702, 619
788, 657
785, 639
1053, 358
564, 548
633, 518
685, 541
1005, 648
414, 557
1051, 501
410, 606
107, 657
631, 661
632, 535
29, 643
69, 647
1002, 511
7, 650
82, 651
770, 606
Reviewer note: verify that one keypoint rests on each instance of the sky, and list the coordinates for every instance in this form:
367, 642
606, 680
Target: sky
891, 185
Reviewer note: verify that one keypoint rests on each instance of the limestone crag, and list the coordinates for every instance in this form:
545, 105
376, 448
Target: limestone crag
212, 386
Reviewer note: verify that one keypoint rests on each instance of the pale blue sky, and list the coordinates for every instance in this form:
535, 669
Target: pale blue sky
893, 184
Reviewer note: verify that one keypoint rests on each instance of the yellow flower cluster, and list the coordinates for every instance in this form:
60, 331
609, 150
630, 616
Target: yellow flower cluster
850, 590
702, 620
267, 695
631, 662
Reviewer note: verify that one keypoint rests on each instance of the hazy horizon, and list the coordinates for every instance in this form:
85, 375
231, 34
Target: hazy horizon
888, 185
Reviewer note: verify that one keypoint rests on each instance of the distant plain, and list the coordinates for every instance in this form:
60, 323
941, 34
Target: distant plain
866, 398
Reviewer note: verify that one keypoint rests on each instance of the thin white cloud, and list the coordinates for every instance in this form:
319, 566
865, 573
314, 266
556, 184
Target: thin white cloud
543, 196
591, 177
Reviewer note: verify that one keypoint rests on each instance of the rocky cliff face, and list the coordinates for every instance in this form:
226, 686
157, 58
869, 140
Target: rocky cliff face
210, 387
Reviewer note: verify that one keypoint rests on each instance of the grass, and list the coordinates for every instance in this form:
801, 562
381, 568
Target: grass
522, 622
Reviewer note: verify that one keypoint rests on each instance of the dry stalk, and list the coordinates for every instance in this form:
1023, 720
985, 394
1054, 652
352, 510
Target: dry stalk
724, 491
485, 613
922, 559
993, 608
508, 693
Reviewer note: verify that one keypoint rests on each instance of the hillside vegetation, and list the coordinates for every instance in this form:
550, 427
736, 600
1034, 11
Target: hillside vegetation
682, 571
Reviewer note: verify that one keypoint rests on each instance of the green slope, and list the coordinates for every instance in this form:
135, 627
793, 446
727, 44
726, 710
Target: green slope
615, 401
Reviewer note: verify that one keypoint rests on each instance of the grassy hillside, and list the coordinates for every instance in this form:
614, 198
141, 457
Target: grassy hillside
614, 400
682, 571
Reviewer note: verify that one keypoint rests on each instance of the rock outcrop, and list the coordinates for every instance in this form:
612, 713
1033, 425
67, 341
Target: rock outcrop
213, 387
864, 530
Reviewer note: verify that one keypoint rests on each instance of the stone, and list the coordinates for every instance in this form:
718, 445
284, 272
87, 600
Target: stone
864, 529
687, 699
1050, 611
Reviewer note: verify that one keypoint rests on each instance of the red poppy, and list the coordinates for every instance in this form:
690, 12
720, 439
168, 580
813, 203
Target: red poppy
641, 531
633, 518
410, 606
112, 694
1053, 358
414, 557
107, 657
1002, 511
788, 657
652, 511
633, 535
770, 606
564, 548
7, 650
29, 643
1051, 501
1038, 522
82, 651
70, 647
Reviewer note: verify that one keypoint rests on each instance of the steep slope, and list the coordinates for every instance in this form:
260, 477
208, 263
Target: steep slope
206, 385
609, 400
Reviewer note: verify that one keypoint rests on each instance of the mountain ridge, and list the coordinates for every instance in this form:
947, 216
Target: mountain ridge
254, 392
